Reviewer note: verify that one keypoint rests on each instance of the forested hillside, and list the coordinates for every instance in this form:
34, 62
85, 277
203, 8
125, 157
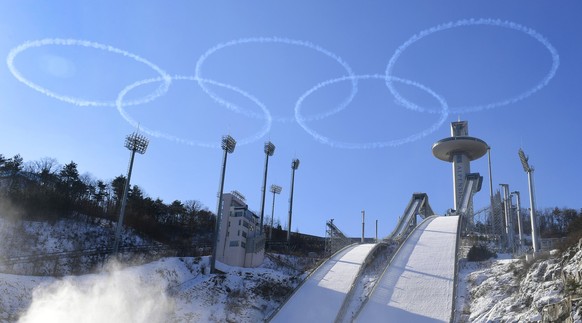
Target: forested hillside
44, 190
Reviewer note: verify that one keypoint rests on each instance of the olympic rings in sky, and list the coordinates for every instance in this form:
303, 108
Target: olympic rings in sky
265, 40
471, 22
166, 80
158, 134
392, 143
84, 43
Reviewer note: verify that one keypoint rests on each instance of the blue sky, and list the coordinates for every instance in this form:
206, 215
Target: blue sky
263, 64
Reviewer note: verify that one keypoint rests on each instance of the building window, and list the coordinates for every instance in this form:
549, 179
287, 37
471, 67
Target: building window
238, 234
244, 234
233, 244
244, 245
239, 221
246, 224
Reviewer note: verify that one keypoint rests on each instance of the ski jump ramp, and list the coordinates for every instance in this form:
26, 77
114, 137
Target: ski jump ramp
418, 285
320, 297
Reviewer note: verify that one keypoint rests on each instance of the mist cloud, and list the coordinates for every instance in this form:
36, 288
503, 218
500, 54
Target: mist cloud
112, 296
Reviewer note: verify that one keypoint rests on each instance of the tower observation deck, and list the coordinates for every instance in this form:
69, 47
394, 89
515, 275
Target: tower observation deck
459, 149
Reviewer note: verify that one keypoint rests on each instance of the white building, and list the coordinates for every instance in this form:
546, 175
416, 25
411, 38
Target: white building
240, 243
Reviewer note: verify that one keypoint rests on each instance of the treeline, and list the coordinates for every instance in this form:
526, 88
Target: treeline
558, 222
44, 190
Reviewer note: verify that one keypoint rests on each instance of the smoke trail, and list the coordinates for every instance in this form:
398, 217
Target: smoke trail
158, 134
263, 40
379, 144
84, 43
115, 296
471, 22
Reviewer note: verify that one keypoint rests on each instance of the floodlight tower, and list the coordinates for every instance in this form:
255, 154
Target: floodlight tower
136, 143
228, 144
269, 151
534, 225
294, 166
275, 189
460, 150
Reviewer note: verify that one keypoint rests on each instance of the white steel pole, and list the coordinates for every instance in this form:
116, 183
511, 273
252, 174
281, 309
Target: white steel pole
534, 225
518, 213
363, 224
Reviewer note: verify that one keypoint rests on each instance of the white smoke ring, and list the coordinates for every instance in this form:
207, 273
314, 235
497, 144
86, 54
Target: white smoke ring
161, 90
470, 22
286, 41
158, 134
379, 144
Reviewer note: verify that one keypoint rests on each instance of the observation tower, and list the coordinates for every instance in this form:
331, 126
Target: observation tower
459, 149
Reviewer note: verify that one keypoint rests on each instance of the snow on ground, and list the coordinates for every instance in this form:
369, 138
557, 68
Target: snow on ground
418, 285
29, 239
321, 296
167, 290
513, 290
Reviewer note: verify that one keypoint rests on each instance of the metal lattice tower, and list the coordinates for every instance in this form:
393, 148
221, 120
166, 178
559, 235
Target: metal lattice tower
335, 239
497, 219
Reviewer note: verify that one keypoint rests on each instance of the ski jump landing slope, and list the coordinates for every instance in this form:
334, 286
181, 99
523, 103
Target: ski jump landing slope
321, 296
418, 284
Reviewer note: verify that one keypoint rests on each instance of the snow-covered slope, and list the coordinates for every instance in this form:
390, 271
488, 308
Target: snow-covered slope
418, 285
30, 239
513, 290
321, 296
167, 290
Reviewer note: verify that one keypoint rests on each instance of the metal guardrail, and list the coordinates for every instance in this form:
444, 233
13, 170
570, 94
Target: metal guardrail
456, 276
52, 256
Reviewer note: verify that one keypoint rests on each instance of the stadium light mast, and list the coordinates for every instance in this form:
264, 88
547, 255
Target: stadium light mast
534, 225
294, 166
275, 189
228, 144
269, 151
136, 143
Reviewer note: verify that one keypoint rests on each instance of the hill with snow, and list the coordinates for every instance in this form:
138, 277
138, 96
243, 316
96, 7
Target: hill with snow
516, 290
180, 289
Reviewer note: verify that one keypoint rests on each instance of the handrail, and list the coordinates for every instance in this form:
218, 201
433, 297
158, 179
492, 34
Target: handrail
456, 276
